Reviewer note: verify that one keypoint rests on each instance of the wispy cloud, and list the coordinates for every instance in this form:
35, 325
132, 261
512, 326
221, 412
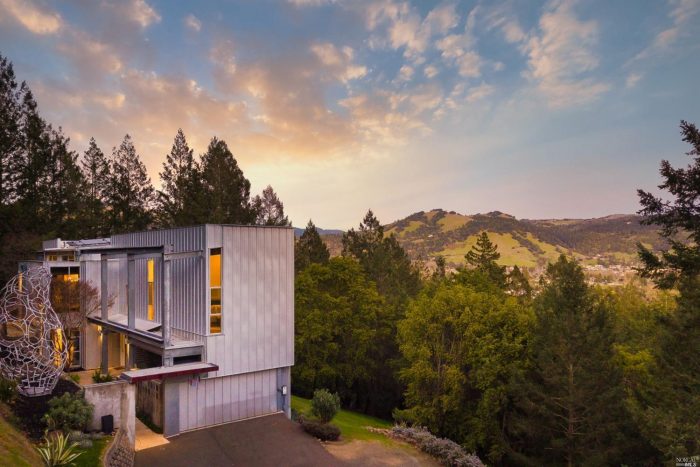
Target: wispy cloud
193, 23
36, 18
561, 56
681, 13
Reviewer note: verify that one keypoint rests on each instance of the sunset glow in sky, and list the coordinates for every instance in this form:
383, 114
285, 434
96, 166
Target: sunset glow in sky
552, 109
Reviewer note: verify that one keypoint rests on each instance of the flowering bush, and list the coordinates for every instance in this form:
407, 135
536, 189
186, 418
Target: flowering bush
447, 451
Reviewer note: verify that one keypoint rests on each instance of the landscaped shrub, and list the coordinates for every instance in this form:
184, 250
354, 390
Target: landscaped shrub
325, 405
98, 377
68, 412
57, 452
322, 431
446, 451
75, 377
8, 390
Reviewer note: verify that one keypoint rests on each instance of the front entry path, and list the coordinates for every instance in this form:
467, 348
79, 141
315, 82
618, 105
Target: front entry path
272, 440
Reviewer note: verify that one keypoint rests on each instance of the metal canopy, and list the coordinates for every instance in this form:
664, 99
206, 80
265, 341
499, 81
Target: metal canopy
162, 372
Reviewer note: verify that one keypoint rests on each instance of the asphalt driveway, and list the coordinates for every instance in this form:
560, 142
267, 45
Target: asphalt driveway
272, 440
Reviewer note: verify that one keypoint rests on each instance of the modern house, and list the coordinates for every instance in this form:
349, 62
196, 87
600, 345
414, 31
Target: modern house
200, 318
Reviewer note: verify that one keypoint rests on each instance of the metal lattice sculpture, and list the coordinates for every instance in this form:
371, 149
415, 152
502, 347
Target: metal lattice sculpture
33, 350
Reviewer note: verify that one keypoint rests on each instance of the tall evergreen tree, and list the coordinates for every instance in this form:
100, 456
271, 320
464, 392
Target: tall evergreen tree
96, 176
569, 402
10, 136
310, 249
130, 193
226, 190
179, 201
517, 283
269, 210
64, 188
386, 263
670, 409
483, 257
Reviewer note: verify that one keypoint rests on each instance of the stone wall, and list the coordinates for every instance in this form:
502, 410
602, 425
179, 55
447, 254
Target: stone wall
117, 399
119, 453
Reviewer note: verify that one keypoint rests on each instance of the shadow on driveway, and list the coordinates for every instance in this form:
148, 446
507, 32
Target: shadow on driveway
272, 440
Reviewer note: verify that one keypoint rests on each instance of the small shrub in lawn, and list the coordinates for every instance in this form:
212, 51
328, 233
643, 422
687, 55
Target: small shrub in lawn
447, 451
8, 390
325, 405
98, 377
68, 412
57, 451
322, 431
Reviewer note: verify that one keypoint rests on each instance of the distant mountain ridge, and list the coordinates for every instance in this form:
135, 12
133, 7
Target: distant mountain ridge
528, 243
298, 231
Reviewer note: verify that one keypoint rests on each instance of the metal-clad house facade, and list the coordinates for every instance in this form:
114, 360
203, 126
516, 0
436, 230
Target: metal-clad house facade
233, 368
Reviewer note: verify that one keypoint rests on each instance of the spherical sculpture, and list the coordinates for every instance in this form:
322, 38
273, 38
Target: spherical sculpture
33, 348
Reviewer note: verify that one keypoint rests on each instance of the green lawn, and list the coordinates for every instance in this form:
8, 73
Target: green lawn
352, 424
90, 457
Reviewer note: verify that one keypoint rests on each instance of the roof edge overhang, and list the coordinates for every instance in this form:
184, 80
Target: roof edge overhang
163, 372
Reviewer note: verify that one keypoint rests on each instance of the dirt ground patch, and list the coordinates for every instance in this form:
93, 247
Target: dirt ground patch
375, 453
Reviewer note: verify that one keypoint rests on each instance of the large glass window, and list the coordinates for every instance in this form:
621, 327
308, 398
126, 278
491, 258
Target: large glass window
151, 292
215, 289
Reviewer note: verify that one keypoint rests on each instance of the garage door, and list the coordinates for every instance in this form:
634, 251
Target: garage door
212, 401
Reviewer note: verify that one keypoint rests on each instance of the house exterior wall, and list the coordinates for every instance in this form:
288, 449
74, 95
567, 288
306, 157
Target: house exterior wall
257, 299
212, 401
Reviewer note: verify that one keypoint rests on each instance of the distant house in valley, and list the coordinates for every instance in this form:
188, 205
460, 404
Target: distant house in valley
200, 318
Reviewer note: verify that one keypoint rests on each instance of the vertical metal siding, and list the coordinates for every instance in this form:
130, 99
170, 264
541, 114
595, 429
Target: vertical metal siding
225, 399
182, 239
258, 306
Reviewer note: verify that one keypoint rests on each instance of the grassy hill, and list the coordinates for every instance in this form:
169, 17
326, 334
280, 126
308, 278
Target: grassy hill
15, 448
604, 242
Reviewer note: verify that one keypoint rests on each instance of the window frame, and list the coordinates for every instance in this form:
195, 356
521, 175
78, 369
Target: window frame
214, 252
150, 289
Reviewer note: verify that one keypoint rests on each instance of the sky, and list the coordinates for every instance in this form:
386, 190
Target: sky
539, 109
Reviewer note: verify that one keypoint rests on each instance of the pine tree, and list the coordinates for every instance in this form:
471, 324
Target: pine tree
386, 263
269, 210
517, 283
569, 403
96, 176
10, 137
483, 257
130, 193
226, 190
64, 188
670, 409
310, 249
179, 200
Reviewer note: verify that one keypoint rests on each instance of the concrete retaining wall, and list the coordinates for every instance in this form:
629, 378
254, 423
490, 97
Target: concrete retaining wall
117, 399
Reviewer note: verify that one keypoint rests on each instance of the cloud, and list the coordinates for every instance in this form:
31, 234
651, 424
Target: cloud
36, 18
632, 80
430, 71
405, 73
680, 14
479, 92
140, 12
459, 49
405, 29
561, 56
193, 23
91, 58
338, 61
502, 18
